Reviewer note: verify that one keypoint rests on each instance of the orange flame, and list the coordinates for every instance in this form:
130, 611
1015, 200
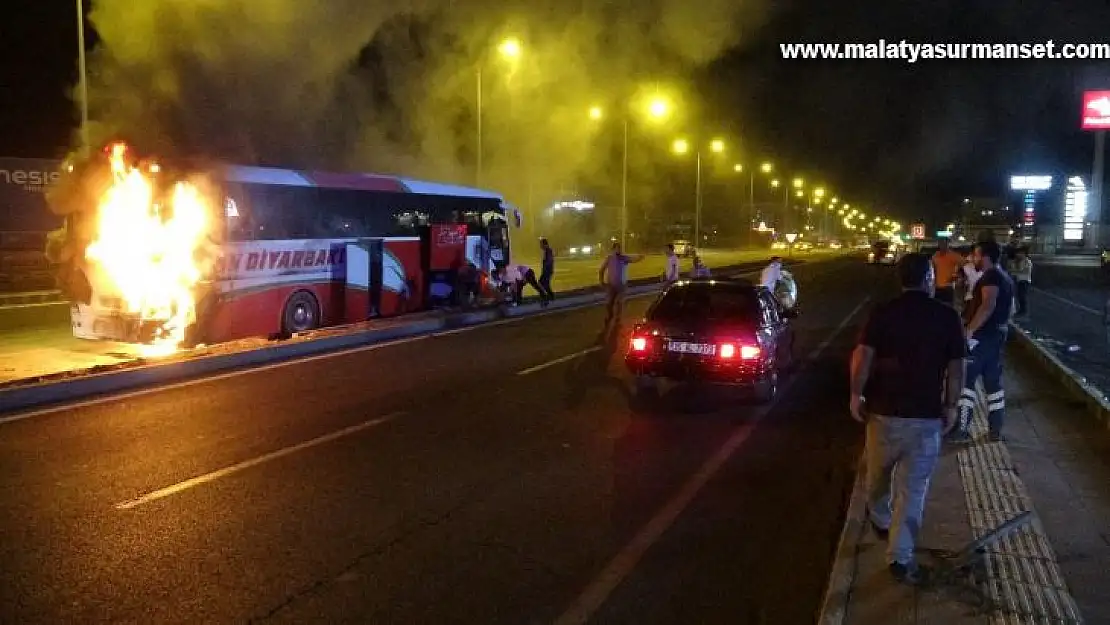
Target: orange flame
144, 250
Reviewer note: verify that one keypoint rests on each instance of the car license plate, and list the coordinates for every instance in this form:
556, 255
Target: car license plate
691, 348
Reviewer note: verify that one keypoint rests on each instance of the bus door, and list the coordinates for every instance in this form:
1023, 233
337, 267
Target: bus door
363, 293
443, 257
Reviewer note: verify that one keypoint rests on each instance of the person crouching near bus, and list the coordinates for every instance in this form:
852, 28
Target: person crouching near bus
515, 276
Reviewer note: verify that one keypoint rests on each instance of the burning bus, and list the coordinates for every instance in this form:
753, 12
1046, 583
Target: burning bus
168, 258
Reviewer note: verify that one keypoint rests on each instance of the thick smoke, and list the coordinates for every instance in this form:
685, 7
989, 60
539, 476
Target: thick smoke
351, 84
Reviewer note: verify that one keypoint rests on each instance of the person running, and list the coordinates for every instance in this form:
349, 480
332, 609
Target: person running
613, 275
547, 270
515, 276
986, 328
907, 372
946, 264
671, 274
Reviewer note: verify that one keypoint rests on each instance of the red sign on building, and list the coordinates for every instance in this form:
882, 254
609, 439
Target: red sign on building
1096, 110
917, 231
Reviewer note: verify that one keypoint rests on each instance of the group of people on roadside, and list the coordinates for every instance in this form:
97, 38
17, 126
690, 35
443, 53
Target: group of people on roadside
613, 275
914, 374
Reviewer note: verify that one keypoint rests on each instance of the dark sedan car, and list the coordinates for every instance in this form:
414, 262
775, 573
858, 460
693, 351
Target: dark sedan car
716, 331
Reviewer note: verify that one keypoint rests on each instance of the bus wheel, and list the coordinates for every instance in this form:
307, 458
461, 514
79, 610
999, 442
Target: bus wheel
301, 313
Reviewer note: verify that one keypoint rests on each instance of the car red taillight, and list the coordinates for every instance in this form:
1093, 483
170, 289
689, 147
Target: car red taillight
639, 344
729, 351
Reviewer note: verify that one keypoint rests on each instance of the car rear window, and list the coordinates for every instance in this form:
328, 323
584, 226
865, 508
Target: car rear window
707, 301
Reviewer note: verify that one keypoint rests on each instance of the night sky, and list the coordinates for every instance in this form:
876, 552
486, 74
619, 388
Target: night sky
911, 138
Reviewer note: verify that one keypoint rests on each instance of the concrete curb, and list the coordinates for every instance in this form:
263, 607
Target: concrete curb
1093, 398
834, 609
58, 391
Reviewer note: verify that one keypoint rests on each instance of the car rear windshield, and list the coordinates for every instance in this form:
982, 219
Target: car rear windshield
707, 301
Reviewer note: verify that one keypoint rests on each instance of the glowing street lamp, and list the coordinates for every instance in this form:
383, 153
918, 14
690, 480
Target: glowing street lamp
798, 183
799, 193
596, 113
819, 192
658, 108
680, 146
738, 168
775, 183
717, 146
510, 48
766, 168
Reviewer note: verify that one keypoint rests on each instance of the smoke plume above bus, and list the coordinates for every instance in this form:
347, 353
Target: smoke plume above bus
392, 87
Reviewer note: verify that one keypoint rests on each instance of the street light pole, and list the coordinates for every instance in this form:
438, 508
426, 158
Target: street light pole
84, 78
697, 204
751, 195
624, 189
477, 171
785, 207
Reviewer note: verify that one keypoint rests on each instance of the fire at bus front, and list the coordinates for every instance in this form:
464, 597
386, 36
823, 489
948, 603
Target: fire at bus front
132, 252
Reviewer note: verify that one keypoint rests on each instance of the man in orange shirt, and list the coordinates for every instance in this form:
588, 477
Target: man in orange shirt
946, 265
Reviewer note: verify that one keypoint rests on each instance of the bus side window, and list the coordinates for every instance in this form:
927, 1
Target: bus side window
339, 214
237, 215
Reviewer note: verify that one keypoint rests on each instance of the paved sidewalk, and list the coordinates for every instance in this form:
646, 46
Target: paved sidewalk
1055, 464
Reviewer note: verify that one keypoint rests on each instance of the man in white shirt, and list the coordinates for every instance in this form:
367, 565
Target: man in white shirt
971, 276
670, 275
772, 273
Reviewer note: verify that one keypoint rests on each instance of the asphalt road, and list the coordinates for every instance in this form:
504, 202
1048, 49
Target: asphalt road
483, 476
49, 348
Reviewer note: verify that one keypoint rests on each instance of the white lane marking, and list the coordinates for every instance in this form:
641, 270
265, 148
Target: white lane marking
559, 360
149, 390
173, 489
626, 560
1064, 300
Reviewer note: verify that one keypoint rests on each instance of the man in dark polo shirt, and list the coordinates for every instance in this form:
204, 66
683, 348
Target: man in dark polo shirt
907, 375
988, 320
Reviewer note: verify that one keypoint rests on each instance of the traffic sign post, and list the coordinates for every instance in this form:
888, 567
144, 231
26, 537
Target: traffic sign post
917, 231
1096, 116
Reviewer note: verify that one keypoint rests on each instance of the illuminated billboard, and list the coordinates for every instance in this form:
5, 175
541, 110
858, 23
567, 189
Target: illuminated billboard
1096, 110
1030, 183
1075, 209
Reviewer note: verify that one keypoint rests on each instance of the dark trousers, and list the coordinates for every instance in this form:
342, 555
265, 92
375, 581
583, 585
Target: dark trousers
946, 294
614, 304
985, 362
545, 283
1022, 297
530, 280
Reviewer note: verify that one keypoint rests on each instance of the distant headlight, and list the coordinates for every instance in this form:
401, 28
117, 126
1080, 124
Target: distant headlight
587, 249
574, 250
871, 256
